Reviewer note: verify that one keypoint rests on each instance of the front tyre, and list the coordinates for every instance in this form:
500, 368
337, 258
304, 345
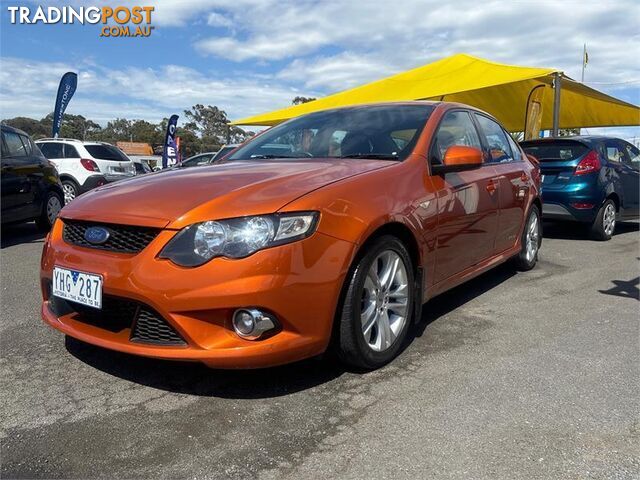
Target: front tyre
377, 306
531, 238
604, 225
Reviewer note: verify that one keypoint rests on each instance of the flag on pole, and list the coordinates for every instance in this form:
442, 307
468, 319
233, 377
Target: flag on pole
66, 89
170, 152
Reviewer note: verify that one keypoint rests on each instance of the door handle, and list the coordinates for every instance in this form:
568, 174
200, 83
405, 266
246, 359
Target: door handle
491, 187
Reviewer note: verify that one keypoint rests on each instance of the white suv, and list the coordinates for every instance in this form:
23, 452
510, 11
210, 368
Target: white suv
85, 165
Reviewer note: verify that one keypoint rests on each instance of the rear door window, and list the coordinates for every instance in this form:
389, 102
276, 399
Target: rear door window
15, 146
497, 140
70, 151
51, 150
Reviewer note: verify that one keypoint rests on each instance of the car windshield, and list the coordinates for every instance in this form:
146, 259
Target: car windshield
106, 152
381, 131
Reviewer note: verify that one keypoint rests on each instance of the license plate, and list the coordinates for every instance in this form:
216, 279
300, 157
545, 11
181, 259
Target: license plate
79, 287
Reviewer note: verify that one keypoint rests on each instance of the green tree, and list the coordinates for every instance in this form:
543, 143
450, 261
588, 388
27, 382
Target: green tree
300, 100
35, 128
212, 126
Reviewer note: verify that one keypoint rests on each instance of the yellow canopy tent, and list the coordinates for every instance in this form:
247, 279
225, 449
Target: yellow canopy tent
522, 98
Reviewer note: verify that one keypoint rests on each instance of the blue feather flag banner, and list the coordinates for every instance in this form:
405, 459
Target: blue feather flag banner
68, 85
170, 151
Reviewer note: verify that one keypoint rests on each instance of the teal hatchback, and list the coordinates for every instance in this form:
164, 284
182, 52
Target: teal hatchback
589, 179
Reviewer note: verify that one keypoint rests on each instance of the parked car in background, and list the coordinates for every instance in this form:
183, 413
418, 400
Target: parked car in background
85, 165
590, 179
262, 260
142, 165
31, 188
209, 157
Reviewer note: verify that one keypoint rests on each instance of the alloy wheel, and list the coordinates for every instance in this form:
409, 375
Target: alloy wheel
69, 192
385, 298
53, 208
532, 237
609, 219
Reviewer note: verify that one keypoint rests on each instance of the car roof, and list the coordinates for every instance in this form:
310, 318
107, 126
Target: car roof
587, 139
72, 140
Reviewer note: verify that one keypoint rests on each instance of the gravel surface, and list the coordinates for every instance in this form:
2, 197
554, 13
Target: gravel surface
511, 376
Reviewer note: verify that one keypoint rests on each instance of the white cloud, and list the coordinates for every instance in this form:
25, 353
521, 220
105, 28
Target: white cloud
28, 89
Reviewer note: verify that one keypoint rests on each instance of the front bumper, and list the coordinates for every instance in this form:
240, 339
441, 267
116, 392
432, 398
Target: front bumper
299, 283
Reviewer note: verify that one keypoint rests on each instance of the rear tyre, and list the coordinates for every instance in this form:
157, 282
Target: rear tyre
378, 305
604, 225
531, 239
50, 210
70, 189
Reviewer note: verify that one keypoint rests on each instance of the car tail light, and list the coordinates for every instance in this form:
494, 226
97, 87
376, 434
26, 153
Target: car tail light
89, 165
589, 164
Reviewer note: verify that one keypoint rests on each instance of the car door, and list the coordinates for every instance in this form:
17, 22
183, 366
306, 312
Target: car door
467, 201
21, 175
627, 177
512, 181
631, 178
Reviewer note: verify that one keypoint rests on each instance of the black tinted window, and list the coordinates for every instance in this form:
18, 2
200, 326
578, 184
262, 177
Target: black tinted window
51, 150
14, 145
344, 133
554, 151
106, 152
70, 151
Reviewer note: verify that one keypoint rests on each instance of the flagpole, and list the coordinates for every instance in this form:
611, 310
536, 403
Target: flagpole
584, 53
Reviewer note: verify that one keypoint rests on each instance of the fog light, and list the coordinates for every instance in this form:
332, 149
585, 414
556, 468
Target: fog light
251, 323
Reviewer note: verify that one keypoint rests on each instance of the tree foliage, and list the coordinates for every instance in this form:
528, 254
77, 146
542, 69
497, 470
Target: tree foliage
206, 129
300, 100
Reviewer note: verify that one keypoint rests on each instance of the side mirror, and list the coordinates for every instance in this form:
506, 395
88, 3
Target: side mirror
459, 158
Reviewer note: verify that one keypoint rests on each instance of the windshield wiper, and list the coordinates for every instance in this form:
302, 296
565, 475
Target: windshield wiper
267, 156
381, 156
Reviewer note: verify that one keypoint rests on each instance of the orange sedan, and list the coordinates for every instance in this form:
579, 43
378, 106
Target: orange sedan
331, 229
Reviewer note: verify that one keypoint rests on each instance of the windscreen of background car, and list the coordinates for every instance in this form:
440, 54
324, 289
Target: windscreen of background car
557, 150
381, 131
106, 152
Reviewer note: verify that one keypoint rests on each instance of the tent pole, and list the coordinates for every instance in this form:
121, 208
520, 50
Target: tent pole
557, 88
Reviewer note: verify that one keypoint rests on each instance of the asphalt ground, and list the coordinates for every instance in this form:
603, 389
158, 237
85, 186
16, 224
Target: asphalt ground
512, 376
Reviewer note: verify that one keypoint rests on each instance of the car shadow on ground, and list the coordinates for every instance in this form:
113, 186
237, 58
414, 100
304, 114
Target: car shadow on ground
20, 233
580, 231
196, 379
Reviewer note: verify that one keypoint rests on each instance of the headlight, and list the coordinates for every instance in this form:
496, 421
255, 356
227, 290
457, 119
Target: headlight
237, 237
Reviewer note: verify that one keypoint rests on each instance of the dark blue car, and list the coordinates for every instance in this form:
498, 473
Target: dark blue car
589, 179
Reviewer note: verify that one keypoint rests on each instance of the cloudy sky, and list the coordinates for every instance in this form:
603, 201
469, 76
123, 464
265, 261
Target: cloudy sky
250, 56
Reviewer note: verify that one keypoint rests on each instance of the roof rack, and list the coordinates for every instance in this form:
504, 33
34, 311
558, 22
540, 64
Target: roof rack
59, 138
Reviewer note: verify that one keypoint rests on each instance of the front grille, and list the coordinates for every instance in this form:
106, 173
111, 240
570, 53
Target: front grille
150, 327
122, 238
117, 314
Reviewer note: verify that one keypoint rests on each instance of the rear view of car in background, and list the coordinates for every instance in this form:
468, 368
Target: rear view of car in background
590, 179
85, 165
31, 188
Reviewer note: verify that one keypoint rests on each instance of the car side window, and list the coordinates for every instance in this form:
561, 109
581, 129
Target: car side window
15, 146
70, 151
456, 128
52, 150
614, 152
27, 145
497, 140
515, 150
632, 156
